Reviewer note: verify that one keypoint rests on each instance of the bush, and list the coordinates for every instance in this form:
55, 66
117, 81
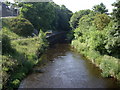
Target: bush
8, 65
109, 66
70, 35
11, 35
24, 57
76, 16
101, 21
6, 45
19, 26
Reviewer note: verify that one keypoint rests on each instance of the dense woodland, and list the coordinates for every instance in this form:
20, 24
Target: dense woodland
93, 33
51, 16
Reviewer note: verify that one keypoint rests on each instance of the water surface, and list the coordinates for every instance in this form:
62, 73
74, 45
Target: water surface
66, 69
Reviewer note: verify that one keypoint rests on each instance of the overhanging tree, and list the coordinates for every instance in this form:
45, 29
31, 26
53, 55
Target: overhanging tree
76, 17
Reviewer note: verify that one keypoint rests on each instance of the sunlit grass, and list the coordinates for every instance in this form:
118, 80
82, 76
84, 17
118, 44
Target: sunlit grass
17, 64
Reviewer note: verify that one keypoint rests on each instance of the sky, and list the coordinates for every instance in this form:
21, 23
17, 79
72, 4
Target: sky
76, 5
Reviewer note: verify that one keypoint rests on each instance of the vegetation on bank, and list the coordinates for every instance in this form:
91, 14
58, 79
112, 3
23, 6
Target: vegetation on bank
20, 60
19, 54
97, 37
95, 34
19, 26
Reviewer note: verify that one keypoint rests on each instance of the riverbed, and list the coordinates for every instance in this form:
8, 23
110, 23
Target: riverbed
64, 68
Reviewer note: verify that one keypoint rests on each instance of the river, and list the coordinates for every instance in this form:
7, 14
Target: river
64, 68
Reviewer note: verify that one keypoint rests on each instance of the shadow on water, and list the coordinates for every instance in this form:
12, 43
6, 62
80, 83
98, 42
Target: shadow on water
66, 69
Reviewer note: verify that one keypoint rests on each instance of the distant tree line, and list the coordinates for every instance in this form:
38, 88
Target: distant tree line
46, 15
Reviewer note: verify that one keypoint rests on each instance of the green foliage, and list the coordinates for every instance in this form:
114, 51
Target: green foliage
7, 66
42, 36
84, 23
113, 46
62, 17
46, 16
84, 29
6, 45
88, 31
36, 13
101, 21
20, 26
10, 34
100, 8
70, 35
80, 47
16, 83
113, 43
24, 57
76, 16
97, 39
109, 66
116, 13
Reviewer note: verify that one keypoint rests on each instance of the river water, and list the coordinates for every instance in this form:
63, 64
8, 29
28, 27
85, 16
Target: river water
64, 68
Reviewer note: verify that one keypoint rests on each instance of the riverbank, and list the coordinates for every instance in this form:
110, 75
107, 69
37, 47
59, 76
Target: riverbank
16, 65
19, 53
107, 64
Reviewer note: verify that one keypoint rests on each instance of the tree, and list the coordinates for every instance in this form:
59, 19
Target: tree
76, 16
101, 21
100, 8
41, 15
47, 16
62, 18
113, 45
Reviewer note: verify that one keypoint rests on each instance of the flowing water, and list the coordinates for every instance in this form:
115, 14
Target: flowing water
65, 68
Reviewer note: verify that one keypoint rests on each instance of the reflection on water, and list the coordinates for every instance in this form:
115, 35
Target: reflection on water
66, 69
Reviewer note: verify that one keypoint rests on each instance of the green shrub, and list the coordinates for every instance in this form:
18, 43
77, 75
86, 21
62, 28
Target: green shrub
6, 45
10, 34
97, 42
70, 35
19, 26
113, 40
118, 76
109, 66
76, 16
15, 83
8, 65
24, 57
101, 21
